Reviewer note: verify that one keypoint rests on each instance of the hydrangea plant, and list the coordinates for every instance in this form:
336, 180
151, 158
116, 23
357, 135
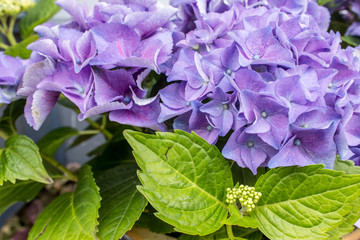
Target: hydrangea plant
223, 119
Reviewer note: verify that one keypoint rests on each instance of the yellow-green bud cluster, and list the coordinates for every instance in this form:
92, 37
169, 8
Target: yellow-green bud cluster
246, 195
14, 7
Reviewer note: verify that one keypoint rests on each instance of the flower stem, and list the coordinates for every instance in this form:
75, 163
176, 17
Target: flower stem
230, 232
89, 132
10, 31
97, 126
58, 165
4, 46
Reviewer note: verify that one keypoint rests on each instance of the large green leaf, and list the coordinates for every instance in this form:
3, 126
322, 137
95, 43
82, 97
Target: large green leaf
347, 167
43, 11
237, 219
346, 227
21, 191
184, 178
20, 49
121, 203
71, 215
20, 159
304, 203
11, 113
51, 142
239, 232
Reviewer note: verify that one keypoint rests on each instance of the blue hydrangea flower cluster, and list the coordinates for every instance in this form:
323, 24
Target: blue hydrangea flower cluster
266, 73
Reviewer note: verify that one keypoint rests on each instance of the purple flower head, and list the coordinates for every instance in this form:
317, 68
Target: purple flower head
307, 146
221, 110
11, 72
248, 150
173, 101
67, 45
261, 47
198, 122
266, 116
116, 92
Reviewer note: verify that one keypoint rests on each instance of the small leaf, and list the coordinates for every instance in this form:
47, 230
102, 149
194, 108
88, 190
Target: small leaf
51, 142
121, 204
20, 159
72, 215
21, 191
304, 203
184, 178
237, 219
351, 40
43, 11
20, 49
11, 113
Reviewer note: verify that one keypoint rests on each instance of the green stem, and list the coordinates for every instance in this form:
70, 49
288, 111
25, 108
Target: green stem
4, 135
95, 125
89, 132
58, 165
10, 31
230, 232
4, 46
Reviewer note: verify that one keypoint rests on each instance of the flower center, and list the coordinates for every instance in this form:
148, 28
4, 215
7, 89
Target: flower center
78, 62
209, 128
127, 100
250, 144
188, 104
256, 57
226, 106
228, 71
264, 114
297, 142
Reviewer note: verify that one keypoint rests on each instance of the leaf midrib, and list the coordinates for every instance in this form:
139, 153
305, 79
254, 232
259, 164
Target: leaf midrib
296, 200
187, 179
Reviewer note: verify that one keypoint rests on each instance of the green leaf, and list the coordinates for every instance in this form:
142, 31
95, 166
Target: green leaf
347, 166
72, 215
184, 178
20, 49
351, 40
122, 204
11, 113
304, 203
20, 159
323, 2
237, 219
21, 191
43, 11
51, 142
348, 226
154, 224
239, 232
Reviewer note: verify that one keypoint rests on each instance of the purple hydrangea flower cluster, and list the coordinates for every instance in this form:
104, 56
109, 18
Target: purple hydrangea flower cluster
99, 60
270, 76
11, 73
265, 73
